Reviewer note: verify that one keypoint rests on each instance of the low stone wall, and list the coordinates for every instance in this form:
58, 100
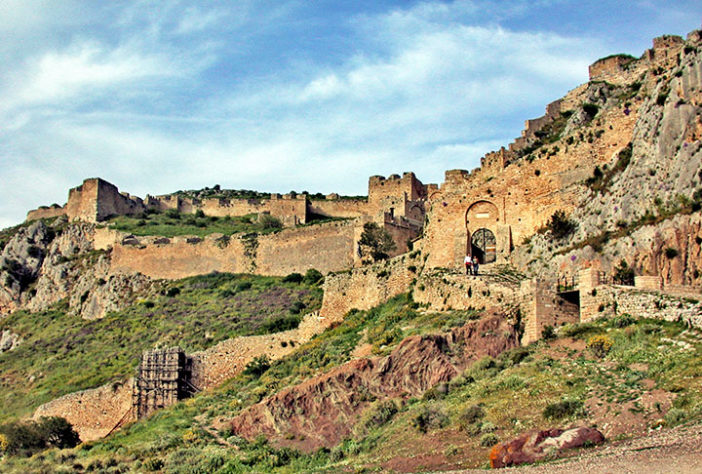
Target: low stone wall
368, 286
541, 306
94, 413
612, 300
442, 291
213, 366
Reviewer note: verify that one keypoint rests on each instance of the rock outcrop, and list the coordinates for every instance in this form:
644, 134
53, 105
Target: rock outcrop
538, 445
9, 341
322, 410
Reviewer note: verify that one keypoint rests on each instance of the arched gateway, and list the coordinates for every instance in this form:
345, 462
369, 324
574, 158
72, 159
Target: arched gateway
482, 218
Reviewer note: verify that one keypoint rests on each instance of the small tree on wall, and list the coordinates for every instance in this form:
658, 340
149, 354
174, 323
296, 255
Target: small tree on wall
375, 242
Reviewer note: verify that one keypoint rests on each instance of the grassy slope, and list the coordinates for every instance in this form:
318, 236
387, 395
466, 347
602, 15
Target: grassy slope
171, 224
513, 392
65, 353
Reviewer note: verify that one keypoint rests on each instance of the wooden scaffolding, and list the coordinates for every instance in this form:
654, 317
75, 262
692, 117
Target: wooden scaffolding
162, 379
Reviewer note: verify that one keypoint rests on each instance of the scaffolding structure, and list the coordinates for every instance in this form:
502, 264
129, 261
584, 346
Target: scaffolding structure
162, 379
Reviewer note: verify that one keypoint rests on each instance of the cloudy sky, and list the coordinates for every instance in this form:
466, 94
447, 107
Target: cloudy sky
286, 95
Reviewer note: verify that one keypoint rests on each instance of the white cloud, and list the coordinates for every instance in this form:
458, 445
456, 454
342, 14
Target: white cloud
423, 89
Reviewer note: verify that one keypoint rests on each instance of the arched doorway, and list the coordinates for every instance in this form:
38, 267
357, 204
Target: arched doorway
484, 245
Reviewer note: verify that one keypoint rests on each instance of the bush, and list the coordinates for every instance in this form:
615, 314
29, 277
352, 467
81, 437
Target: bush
562, 409
313, 276
671, 253
548, 333
199, 214
26, 438
258, 366
376, 241
488, 440
469, 416
428, 419
560, 226
675, 416
600, 345
293, 278
590, 109
173, 214
379, 414
268, 222
622, 321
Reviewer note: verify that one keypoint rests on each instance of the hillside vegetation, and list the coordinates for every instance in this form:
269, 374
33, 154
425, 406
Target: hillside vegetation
621, 375
62, 353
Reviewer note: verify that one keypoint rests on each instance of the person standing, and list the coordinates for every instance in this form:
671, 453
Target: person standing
476, 264
469, 265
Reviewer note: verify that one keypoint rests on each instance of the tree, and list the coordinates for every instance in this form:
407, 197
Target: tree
376, 242
560, 226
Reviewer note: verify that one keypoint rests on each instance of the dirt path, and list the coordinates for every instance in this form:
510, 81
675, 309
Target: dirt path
677, 451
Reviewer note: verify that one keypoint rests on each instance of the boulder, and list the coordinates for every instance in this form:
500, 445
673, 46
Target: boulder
537, 445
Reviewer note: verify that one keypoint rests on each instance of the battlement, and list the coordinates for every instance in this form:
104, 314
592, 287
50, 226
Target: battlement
407, 186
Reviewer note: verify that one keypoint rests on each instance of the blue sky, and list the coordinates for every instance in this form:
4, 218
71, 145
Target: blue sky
286, 95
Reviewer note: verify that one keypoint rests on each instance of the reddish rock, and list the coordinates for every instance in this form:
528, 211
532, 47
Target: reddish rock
536, 445
322, 411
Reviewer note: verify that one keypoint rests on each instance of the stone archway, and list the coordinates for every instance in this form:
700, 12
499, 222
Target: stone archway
483, 245
482, 218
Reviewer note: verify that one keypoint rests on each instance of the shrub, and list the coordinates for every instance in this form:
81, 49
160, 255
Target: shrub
428, 419
470, 416
562, 409
26, 438
624, 274
376, 241
675, 416
489, 439
560, 226
153, 464
268, 222
600, 345
671, 253
293, 278
548, 333
173, 214
313, 276
285, 323
590, 109
378, 414
258, 366
199, 213
173, 291
622, 321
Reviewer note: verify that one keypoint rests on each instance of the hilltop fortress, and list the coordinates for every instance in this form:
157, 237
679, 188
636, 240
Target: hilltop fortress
619, 159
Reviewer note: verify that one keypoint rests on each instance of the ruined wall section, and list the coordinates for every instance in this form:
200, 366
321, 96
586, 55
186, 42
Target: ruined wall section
94, 413
326, 247
45, 212
444, 291
365, 287
347, 208
541, 306
96, 199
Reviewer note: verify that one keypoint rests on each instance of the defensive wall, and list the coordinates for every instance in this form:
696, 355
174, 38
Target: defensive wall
326, 247
96, 199
94, 413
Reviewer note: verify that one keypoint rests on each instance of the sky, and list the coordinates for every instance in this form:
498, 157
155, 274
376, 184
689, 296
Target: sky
304, 95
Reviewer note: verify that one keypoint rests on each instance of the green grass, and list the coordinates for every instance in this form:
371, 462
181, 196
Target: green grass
64, 353
495, 399
171, 224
